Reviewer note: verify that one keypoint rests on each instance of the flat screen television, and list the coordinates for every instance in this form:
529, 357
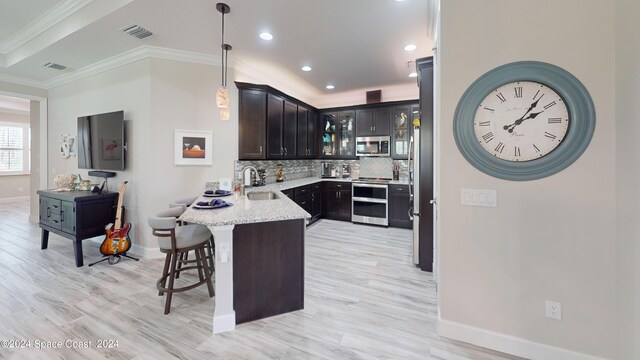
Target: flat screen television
100, 141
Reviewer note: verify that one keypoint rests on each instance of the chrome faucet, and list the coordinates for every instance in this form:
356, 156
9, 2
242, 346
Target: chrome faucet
242, 187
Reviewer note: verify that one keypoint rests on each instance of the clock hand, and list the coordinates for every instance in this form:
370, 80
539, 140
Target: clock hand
510, 128
533, 105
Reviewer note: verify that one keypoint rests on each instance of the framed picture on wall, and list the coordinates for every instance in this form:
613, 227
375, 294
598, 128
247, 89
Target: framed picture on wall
193, 147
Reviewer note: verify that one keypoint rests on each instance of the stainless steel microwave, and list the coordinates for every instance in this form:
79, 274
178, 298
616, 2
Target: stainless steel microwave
372, 146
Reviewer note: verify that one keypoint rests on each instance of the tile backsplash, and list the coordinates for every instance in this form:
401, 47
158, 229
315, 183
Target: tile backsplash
298, 169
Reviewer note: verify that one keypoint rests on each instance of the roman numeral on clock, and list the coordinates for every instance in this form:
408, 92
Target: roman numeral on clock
518, 91
487, 137
485, 123
516, 151
555, 120
549, 105
501, 97
499, 148
550, 135
489, 109
535, 147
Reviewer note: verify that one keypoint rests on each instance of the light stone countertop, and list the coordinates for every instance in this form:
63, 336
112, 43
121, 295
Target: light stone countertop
245, 211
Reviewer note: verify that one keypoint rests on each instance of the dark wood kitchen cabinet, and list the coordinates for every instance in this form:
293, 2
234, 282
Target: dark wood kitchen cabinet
316, 203
251, 125
337, 201
306, 133
372, 122
399, 205
75, 215
281, 128
338, 135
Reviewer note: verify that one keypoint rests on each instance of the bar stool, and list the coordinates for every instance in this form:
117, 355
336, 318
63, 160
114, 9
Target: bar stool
183, 204
175, 241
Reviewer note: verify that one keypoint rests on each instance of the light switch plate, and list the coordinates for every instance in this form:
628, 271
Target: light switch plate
479, 197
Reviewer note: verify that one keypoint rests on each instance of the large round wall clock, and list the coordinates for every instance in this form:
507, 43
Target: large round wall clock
524, 121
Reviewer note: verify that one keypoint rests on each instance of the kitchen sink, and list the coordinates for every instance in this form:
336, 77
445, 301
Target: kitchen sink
263, 195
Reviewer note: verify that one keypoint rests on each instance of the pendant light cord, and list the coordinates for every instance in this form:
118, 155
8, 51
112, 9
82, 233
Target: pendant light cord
224, 80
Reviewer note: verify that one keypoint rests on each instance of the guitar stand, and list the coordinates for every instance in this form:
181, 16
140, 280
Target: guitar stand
113, 259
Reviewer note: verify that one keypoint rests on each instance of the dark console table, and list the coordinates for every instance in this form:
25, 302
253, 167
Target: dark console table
76, 215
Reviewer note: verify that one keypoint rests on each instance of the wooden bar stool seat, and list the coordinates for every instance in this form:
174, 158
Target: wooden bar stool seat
177, 240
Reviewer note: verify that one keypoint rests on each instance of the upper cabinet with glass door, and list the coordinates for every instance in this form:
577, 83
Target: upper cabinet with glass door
337, 137
401, 119
346, 134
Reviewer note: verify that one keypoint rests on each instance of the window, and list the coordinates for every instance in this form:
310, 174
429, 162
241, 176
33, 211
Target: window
15, 148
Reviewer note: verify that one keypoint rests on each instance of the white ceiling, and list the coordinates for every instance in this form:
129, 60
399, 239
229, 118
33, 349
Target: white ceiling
352, 44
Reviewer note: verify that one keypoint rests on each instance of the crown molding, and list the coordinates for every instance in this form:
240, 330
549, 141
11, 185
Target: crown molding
127, 57
21, 81
42, 23
409, 91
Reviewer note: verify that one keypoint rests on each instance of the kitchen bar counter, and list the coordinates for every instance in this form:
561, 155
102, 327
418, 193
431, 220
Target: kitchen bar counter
259, 256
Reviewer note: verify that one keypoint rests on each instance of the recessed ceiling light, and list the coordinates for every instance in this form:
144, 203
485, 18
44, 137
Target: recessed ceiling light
306, 68
266, 36
330, 87
410, 47
413, 74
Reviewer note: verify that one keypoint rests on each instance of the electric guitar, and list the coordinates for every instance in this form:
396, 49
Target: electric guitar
117, 239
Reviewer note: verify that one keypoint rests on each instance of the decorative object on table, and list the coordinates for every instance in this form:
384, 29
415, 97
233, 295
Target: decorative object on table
524, 121
396, 172
85, 185
116, 243
213, 204
222, 94
280, 173
67, 148
217, 193
65, 182
193, 147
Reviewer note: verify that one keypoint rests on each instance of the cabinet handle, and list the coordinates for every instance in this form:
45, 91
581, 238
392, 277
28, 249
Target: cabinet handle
48, 211
304, 202
260, 149
339, 196
313, 198
337, 193
61, 215
285, 151
374, 128
371, 128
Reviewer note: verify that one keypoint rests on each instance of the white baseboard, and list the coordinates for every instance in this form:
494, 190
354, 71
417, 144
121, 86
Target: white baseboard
145, 252
224, 323
506, 343
14, 199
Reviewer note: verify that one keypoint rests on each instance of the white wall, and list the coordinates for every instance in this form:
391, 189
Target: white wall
627, 180
549, 239
14, 186
157, 96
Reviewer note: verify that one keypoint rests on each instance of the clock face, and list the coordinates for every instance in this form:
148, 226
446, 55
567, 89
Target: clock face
521, 121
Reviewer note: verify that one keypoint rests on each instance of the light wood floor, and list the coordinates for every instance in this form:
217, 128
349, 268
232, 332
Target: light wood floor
363, 300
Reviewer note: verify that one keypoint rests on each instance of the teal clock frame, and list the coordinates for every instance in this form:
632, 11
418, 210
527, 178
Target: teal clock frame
581, 126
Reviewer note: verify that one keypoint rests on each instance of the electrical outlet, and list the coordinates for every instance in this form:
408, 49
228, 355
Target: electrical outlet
553, 310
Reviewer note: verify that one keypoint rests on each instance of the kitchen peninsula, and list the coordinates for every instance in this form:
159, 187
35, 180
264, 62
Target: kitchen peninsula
259, 261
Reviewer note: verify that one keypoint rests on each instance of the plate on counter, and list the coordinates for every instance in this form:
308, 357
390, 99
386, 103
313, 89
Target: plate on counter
209, 207
214, 195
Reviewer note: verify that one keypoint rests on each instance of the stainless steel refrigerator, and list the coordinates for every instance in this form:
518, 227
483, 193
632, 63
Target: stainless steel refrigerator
421, 171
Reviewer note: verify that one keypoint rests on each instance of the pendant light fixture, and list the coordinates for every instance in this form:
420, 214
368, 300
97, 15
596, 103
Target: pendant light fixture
222, 94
